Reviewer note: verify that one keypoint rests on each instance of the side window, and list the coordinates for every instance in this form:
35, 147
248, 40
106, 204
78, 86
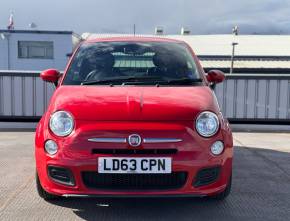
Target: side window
35, 49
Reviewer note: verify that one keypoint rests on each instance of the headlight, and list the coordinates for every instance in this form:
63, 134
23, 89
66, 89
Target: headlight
61, 123
207, 124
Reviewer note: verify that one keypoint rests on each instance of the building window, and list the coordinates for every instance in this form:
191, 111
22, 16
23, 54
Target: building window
35, 49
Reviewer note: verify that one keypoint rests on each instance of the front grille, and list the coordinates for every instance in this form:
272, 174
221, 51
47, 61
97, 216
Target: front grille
134, 151
96, 180
206, 176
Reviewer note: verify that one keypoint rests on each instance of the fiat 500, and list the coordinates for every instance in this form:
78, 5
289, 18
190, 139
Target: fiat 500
133, 117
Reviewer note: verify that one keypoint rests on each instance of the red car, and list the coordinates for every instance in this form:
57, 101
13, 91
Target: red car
133, 117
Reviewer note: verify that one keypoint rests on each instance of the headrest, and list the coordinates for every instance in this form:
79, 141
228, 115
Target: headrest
169, 60
105, 59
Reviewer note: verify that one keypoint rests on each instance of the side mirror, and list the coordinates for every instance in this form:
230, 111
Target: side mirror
50, 75
214, 77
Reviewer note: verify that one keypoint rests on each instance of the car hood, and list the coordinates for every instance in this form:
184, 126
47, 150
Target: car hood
104, 103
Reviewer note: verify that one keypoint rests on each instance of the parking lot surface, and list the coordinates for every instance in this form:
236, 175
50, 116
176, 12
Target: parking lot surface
261, 188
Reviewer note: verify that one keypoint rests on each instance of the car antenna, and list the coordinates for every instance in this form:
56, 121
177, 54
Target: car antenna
134, 30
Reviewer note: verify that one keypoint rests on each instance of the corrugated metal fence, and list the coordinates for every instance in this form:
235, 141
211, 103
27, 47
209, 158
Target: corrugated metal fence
242, 97
255, 97
23, 95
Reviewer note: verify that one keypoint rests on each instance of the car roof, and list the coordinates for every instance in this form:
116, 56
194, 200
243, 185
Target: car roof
133, 39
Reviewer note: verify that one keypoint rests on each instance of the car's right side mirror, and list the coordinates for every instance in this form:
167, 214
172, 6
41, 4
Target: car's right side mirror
214, 77
50, 75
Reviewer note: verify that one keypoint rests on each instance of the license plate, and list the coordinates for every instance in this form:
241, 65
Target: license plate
134, 165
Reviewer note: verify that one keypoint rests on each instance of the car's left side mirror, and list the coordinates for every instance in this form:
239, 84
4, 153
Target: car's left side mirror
50, 75
214, 77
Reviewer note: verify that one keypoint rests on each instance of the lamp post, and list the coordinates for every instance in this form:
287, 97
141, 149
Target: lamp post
233, 57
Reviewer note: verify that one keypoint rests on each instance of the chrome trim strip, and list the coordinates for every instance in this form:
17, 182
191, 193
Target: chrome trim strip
75, 195
145, 140
161, 140
108, 140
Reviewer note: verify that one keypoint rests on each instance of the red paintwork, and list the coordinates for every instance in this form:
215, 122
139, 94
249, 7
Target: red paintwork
50, 75
158, 103
215, 76
102, 111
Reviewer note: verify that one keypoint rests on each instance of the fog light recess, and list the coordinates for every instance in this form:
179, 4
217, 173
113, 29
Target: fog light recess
51, 147
61, 175
217, 148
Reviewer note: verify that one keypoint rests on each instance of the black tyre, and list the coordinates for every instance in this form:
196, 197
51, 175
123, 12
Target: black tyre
225, 193
42, 193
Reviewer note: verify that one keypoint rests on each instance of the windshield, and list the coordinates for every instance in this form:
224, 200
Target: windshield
146, 63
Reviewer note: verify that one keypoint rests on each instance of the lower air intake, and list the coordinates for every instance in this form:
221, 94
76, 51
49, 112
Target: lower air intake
96, 180
206, 176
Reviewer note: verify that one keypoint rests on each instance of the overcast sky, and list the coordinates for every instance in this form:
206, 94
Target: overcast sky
118, 16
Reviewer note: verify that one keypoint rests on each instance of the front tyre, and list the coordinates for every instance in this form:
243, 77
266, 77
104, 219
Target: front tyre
42, 193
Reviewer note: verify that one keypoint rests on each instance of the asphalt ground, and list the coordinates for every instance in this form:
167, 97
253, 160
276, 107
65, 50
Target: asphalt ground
260, 191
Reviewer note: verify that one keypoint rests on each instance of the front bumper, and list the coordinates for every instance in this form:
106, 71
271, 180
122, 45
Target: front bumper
79, 188
76, 154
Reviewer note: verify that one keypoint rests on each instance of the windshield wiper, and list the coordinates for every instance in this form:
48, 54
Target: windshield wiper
121, 79
181, 81
147, 79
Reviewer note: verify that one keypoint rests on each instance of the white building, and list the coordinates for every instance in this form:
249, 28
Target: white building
214, 51
35, 50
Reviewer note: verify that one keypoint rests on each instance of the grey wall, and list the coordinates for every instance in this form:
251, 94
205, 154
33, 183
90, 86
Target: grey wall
3, 54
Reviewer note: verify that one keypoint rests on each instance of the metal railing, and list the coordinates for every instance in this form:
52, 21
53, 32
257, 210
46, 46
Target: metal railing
23, 95
255, 97
242, 97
